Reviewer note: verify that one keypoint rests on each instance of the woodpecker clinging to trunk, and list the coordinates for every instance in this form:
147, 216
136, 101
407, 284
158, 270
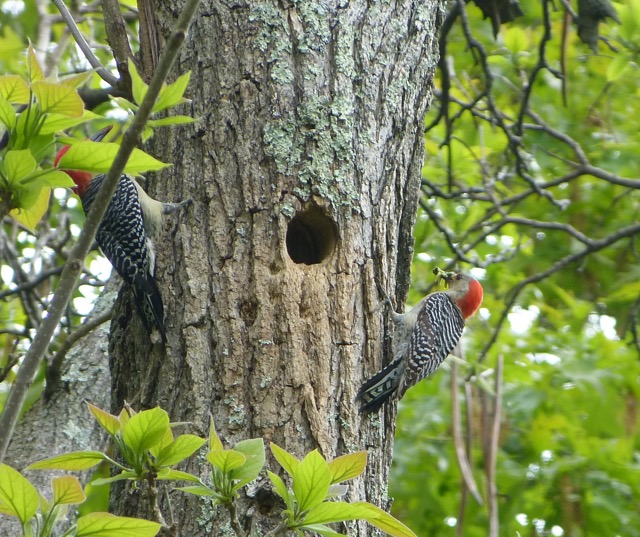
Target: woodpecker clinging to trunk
423, 338
126, 235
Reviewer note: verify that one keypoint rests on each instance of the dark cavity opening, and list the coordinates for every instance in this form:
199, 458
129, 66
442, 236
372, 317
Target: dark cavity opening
311, 236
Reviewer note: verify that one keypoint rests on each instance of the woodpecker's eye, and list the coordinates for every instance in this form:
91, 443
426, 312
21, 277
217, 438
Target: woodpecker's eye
458, 276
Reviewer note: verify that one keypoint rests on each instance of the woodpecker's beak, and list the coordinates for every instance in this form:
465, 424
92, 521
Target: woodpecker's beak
443, 275
99, 136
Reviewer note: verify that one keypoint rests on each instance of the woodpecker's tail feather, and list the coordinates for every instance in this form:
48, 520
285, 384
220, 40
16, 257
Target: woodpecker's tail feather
150, 307
380, 387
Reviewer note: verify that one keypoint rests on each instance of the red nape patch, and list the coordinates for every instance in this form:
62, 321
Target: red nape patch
81, 179
472, 300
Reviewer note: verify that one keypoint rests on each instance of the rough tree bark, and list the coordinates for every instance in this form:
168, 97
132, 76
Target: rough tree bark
304, 167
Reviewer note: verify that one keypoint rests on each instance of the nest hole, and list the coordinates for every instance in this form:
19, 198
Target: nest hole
311, 236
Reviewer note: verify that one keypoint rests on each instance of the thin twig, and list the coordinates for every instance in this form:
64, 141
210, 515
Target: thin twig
75, 261
84, 46
233, 516
461, 455
492, 488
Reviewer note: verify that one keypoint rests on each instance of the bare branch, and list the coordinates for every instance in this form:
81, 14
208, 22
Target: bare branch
84, 46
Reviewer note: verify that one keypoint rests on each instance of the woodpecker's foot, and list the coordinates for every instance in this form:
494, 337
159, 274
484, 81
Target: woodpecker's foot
386, 301
168, 208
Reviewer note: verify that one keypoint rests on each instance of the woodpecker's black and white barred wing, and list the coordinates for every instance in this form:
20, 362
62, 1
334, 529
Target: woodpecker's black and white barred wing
438, 329
122, 238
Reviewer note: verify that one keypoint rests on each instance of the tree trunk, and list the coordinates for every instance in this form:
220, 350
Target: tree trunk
304, 167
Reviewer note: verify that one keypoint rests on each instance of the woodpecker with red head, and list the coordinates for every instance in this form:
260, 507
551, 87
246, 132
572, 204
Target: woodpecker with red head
423, 338
126, 235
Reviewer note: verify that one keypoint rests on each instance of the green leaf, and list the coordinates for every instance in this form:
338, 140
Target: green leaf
199, 490
108, 422
76, 460
138, 87
34, 70
18, 496
97, 157
348, 466
55, 179
18, 164
167, 439
327, 512
7, 114
311, 481
182, 447
122, 476
67, 490
171, 120
286, 460
145, 429
226, 460
171, 95
14, 89
384, 521
57, 99
320, 529
108, 525
253, 450
280, 488
59, 122
31, 205
177, 475
215, 443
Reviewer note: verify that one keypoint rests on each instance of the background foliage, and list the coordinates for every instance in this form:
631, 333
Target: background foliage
529, 189
529, 178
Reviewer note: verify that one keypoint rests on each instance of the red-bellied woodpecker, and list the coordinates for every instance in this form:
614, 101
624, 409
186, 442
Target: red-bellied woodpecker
126, 236
423, 338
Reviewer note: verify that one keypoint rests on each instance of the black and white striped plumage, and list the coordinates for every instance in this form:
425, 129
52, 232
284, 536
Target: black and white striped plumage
129, 247
423, 338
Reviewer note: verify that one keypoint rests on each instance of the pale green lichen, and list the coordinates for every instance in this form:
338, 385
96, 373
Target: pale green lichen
273, 40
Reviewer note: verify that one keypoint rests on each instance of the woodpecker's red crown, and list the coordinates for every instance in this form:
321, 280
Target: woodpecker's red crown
465, 290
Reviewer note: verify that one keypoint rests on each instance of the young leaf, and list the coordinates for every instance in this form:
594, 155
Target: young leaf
97, 157
7, 114
182, 447
214, 442
280, 488
122, 476
311, 481
108, 525
177, 475
18, 164
171, 95
321, 529
14, 89
199, 490
286, 460
347, 466
17, 495
253, 450
67, 490
75, 460
167, 439
55, 179
138, 87
31, 204
145, 429
108, 422
384, 521
327, 512
171, 120
34, 70
226, 459
57, 99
